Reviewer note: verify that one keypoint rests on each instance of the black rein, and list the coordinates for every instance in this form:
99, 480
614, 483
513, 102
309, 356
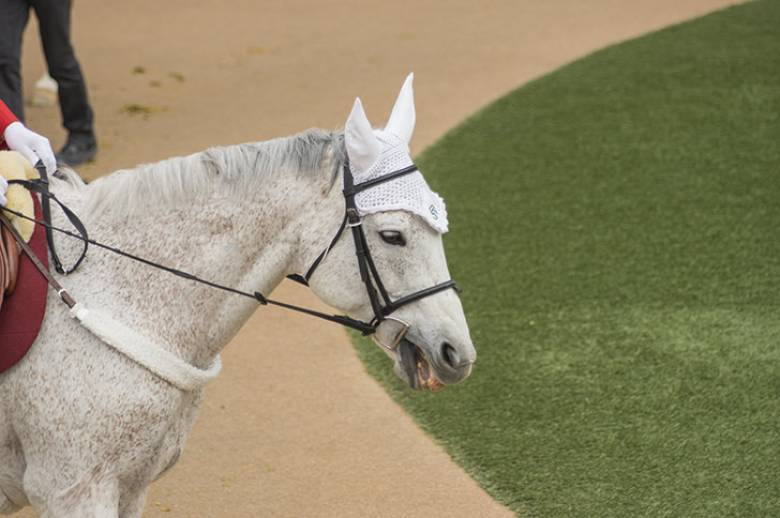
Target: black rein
368, 272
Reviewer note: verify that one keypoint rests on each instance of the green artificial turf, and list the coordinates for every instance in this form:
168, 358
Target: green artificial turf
616, 229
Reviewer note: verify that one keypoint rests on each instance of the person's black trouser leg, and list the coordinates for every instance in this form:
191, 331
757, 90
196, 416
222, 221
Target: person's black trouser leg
13, 19
54, 20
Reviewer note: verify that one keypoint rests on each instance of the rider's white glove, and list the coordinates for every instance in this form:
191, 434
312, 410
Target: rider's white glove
3, 188
31, 145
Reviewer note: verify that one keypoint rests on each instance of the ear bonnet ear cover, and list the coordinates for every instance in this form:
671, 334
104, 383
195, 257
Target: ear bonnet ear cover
409, 192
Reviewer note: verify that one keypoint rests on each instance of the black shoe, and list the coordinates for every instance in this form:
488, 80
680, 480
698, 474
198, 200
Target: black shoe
80, 148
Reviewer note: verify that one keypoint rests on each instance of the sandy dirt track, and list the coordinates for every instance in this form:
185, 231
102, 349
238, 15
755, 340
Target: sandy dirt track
294, 426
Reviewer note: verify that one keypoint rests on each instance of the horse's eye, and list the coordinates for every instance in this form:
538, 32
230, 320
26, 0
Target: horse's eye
393, 237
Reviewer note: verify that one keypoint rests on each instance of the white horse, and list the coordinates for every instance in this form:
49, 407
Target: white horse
84, 429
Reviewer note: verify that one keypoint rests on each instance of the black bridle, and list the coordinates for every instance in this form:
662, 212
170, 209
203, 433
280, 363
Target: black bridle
382, 307
381, 303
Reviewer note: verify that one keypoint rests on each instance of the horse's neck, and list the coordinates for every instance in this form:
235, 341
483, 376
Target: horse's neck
249, 242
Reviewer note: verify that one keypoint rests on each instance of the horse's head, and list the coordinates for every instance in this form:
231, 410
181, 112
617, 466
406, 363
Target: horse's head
418, 315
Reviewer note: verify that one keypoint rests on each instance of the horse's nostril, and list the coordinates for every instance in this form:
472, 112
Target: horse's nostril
451, 356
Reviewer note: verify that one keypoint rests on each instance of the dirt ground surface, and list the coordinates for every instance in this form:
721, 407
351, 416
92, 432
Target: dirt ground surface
294, 426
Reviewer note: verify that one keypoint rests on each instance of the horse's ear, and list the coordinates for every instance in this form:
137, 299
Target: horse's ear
403, 116
362, 146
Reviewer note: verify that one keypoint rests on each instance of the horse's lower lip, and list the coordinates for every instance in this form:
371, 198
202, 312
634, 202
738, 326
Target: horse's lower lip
425, 373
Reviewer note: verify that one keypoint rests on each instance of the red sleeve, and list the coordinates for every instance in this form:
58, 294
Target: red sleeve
6, 118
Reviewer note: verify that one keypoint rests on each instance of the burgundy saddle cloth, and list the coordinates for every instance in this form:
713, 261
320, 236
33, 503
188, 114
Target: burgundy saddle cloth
22, 312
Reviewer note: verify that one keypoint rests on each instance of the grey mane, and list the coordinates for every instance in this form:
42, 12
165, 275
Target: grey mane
223, 171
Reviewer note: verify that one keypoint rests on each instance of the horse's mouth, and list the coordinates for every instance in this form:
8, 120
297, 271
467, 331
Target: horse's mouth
414, 367
425, 373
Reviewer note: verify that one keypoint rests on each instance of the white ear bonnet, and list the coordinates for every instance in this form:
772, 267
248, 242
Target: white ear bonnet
409, 192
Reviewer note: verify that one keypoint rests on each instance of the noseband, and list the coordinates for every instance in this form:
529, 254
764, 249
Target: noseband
381, 303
